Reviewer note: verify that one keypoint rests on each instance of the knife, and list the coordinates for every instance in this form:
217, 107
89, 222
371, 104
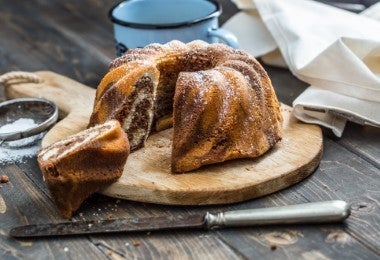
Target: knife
316, 212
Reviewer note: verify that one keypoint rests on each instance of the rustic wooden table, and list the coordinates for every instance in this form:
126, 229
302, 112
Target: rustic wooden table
74, 38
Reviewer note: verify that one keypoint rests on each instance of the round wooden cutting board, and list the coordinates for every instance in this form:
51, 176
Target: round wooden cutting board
147, 176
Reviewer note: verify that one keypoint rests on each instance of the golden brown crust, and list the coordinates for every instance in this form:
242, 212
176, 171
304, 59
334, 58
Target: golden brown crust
115, 88
224, 123
72, 176
123, 91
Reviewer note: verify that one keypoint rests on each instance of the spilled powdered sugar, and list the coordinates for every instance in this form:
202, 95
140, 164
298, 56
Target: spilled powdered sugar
20, 124
18, 150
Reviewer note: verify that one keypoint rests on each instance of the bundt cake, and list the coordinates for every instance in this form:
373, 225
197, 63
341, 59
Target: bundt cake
84, 163
222, 102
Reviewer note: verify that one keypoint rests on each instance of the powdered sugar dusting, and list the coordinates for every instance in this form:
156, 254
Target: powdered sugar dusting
19, 150
20, 124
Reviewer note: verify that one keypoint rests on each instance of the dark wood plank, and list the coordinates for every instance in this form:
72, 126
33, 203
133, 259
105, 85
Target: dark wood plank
302, 242
349, 177
363, 141
341, 175
28, 47
165, 245
287, 87
23, 203
85, 23
228, 10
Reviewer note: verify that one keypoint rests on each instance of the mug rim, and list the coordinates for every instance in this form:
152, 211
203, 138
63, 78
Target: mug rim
215, 13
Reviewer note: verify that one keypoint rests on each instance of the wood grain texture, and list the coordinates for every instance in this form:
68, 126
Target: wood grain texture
363, 141
27, 204
35, 39
147, 175
305, 242
355, 180
173, 245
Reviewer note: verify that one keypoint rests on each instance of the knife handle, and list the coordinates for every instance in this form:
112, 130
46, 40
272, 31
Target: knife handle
315, 212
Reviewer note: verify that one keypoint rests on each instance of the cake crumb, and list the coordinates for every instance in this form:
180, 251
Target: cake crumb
137, 243
4, 179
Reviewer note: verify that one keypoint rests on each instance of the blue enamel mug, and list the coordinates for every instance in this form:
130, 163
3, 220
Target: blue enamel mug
140, 22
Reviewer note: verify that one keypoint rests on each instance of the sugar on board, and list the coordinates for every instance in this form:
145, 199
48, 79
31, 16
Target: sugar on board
16, 151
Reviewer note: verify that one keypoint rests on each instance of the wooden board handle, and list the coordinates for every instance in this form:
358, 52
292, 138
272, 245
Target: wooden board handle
74, 100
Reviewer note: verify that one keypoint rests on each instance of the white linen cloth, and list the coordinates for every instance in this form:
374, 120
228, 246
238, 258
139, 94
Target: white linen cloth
337, 52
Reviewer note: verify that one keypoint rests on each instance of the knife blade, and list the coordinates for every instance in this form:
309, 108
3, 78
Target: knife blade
315, 212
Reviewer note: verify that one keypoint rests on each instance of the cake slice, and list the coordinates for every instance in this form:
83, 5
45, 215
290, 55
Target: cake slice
84, 163
127, 94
